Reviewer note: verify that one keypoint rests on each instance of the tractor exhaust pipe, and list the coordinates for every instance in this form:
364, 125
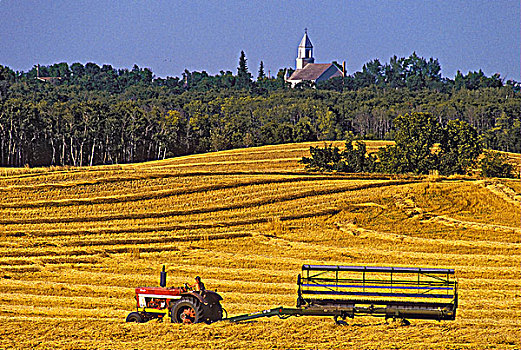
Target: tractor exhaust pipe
162, 278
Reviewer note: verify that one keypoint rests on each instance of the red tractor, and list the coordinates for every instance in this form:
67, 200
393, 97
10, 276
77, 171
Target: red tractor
182, 304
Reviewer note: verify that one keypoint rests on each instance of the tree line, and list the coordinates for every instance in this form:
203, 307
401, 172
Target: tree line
103, 115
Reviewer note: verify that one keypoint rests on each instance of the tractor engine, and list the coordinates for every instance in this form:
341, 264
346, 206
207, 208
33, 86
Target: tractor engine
181, 304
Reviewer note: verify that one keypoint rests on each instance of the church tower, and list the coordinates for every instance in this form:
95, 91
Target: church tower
305, 51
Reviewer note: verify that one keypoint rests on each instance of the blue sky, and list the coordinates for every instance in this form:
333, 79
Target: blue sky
169, 36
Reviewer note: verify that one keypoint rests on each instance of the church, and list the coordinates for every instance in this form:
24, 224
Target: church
307, 69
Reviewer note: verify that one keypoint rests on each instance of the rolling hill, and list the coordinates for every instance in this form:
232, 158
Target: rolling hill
76, 241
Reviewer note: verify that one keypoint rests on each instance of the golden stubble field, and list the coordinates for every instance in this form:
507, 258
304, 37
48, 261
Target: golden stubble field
75, 243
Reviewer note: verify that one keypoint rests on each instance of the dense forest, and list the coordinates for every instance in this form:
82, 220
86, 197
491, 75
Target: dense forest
91, 115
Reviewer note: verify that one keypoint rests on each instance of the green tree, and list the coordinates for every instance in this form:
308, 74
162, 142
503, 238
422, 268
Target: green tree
356, 159
304, 131
261, 74
371, 74
415, 136
7, 77
22, 135
459, 148
244, 78
394, 73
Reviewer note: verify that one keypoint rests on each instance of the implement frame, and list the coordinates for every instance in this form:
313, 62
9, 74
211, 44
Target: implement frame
389, 292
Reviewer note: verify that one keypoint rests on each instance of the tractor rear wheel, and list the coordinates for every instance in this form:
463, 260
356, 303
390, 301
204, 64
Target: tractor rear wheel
135, 317
216, 312
187, 311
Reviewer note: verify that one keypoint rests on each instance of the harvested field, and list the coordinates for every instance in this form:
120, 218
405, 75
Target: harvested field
76, 241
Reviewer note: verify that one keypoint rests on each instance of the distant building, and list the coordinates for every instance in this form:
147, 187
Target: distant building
307, 69
47, 79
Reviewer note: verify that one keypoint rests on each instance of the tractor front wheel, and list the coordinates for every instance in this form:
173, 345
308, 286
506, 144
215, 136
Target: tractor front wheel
187, 311
135, 317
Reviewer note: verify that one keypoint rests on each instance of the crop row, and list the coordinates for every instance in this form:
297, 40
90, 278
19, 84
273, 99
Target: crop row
254, 198
158, 194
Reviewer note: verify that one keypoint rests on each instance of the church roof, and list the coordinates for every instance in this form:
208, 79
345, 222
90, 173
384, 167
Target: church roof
311, 71
51, 79
305, 42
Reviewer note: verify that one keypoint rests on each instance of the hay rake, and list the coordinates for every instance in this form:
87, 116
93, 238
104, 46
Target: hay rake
399, 293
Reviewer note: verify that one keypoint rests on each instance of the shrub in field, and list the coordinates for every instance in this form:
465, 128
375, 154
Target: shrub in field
323, 159
356, 159
495, 164
350, 160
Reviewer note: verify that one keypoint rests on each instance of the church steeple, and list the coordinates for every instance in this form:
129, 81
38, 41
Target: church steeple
305, 51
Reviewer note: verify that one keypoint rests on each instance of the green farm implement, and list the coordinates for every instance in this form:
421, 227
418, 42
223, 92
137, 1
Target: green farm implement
391, 292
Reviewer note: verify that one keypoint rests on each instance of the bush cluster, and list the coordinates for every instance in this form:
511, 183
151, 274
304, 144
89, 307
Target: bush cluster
415, 151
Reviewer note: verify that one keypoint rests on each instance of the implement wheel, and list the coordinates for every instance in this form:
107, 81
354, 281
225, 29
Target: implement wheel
135, 317
340, 320
187, 311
